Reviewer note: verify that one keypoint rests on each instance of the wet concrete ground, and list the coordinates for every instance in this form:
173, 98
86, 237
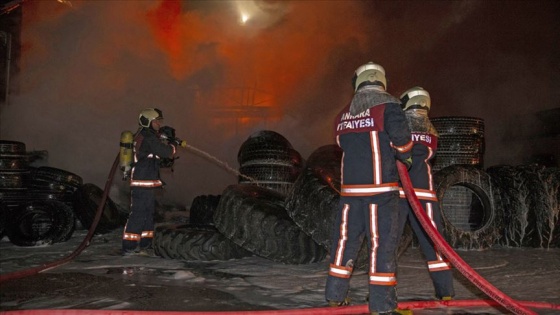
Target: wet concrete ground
99, 278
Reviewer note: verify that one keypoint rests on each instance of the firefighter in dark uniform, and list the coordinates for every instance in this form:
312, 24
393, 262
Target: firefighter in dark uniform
373, 133
149, 150
416, 103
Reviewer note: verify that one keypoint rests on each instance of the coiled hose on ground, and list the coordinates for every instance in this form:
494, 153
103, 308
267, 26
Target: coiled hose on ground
498, 297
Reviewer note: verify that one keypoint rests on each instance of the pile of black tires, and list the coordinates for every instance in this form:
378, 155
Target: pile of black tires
42, 205
249, 218
292, 222
504, 205
291, 227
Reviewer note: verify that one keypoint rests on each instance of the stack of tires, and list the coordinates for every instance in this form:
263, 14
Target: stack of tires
267, 159
461, 141
295, 228
40, 205
199, 239
248, 219
513, 206
36, 201
530, 203
14, 172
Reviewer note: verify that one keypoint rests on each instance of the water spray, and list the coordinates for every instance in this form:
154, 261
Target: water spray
221, 163
167, 133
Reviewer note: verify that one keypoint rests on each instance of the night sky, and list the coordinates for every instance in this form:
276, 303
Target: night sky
89, 67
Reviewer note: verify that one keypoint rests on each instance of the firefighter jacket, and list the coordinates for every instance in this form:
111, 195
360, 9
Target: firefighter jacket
424, 138
423, 151
148, 150
371, 140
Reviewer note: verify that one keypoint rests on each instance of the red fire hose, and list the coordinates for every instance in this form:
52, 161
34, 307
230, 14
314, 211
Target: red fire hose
498, 298
346, 310
448, 252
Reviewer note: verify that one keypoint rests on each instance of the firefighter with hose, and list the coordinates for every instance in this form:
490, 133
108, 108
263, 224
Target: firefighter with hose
416, 103
373, 133
141, 157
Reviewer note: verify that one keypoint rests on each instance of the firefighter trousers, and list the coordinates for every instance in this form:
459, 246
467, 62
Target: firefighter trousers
438, 266
376, 219
139, 229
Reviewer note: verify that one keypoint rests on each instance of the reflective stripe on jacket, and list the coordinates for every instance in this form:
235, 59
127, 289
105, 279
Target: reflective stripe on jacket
369, 141
148, 150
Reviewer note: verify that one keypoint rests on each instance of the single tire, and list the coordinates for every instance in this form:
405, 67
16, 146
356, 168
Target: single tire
255, 219
458, 125
529, 195
326, 157
13, 197
202, 209
195, 242
270, 173
66, 222
312, 204
52, 174
162, 240
443, 160
551, 176
86, 200
49, 185
541, 198
268, 153
264, 141
13, 163
471, 216
9, 180
11, 147
41, 222
460, 144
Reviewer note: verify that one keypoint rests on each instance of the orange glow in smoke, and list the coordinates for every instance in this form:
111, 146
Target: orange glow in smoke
280, 58
165, 21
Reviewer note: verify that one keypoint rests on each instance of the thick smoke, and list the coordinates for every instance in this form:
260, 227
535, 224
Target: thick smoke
89, 68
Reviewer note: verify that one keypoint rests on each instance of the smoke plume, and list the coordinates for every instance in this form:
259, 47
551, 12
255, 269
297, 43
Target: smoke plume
221, 70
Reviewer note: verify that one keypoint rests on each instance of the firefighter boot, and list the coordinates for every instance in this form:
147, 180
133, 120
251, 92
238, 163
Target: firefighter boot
147, 252
345, 302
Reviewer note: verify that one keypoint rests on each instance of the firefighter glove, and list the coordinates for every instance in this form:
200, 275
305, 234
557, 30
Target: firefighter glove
167, 132
408, 162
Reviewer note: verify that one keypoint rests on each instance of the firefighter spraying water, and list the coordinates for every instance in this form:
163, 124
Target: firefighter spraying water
153, 146
141, 156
